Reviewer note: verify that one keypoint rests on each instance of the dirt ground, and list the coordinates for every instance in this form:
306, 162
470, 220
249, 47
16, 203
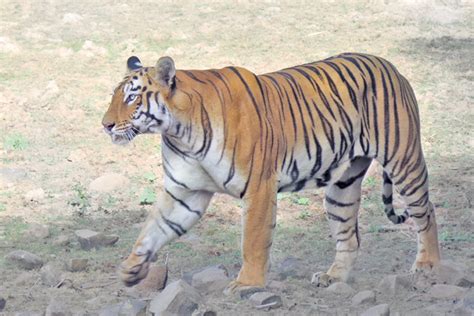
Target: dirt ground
59, 62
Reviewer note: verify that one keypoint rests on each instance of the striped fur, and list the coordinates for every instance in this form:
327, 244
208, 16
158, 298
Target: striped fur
251, 136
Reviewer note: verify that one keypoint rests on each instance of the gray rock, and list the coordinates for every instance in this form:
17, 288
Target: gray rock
25, 259
36, 232
3, 302
76, 264
393, 284
50, 275
447, 291
177, 298
292, 267
243, 293
154, 281
130, 307
57, 308
340, 288
266, 299
89, 239
363, 297
208, 280
108, 183
10, 175
378, 310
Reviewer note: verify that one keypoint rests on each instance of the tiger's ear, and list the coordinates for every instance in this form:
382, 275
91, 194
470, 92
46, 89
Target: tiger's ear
166, 72
133, 63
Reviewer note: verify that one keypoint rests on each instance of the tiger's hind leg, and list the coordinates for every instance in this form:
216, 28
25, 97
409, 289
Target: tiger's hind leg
410, 179
342, 207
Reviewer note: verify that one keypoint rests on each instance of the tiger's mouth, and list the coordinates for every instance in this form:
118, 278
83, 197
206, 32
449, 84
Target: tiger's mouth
124, 137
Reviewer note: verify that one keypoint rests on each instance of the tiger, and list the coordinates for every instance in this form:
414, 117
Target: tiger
316, 125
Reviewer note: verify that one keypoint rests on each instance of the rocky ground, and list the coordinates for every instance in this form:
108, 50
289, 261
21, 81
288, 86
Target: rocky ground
71, 203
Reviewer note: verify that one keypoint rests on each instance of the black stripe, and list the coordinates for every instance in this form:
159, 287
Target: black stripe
344, 184
186, 206
337, 203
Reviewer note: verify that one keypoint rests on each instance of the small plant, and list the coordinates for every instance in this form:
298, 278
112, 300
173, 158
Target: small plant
80, 199
15, 142
150, 176
148, 197
304, 215
374, 228
302, 201
282, 196
3, 207
371, 182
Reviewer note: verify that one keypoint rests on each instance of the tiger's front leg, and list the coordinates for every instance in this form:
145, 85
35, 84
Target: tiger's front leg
175, 213
259, 220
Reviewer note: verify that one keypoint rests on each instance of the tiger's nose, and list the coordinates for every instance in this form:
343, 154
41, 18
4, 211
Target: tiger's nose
108, 126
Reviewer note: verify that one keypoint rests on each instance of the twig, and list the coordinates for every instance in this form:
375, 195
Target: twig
263, 306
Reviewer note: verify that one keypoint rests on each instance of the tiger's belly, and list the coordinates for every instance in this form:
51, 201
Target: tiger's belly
302, 175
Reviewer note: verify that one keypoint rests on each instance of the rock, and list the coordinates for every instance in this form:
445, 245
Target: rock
76, 264
244, 292
266, 299
208, 280
448, 272
292, 267
50, 275
130, 307
379, 310
177, 298
3, 302
25, 259
154, 281
62, 240
36, 195
108, 183
276, 285
11, 175
89, 239
447, 291
393, 284
37, 232
71, 18
57, 308
363, 297
340, 288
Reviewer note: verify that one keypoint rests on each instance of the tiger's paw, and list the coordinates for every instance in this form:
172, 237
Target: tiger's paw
134, 269
322, 279
241, 291
423, 266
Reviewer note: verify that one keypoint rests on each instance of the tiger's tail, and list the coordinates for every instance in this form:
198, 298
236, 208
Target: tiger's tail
387, 197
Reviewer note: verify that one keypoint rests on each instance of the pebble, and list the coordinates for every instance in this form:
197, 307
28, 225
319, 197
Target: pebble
447, 291
3, 303
266, 299
108, 183
363, 297
76, 264
62, 241
340, 288
178, 298
154, 281
57, 308
50, 276
25, 260
379, 310
208, 280
89, 239
292, 267
393, 284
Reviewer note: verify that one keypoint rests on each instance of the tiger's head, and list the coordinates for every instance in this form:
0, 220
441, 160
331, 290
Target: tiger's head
141, 102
